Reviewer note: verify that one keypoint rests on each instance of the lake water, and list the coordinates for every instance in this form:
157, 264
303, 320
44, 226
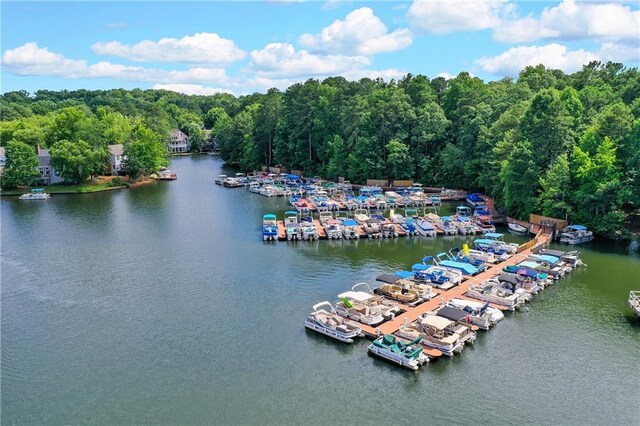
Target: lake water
161, 304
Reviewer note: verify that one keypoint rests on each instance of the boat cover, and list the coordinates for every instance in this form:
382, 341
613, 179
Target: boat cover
551, 259
577, 227
510, 278
359, 296
404, 274
349, 222
388, 278
557, 253
466, 268
493, 235
454, 314
436, 322
420, 267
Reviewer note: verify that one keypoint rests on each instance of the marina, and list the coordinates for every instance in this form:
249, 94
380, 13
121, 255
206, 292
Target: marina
210, 322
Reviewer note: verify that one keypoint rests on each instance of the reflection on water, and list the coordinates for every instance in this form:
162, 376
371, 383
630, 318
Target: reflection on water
161, 304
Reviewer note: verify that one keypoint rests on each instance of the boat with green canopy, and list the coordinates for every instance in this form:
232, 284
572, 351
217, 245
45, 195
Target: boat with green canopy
404, 353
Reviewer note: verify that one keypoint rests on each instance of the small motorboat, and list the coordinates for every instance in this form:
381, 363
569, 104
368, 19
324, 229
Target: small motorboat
35, 194
492, 292
325, 320
405, 354
516, 228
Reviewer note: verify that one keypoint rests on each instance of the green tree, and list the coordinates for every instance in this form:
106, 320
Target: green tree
146, 154
196, 136
76, 161
213, 116
519, 176
21, 167
555, 188
399, 163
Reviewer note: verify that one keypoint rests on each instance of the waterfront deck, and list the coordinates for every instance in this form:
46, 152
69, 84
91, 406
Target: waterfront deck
412, 313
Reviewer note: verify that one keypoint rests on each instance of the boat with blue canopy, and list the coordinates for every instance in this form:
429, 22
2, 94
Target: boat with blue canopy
475, 199
269, 228
35, 194
575, 234
463, 267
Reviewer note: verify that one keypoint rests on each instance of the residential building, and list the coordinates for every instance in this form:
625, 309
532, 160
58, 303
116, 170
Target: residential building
3, 159
116, 158
178, 142
48, 175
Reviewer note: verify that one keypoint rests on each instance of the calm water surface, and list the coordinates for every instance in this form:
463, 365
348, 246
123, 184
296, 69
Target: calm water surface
161, 304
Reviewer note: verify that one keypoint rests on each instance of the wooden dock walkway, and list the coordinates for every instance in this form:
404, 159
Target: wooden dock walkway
412, 313
321, 232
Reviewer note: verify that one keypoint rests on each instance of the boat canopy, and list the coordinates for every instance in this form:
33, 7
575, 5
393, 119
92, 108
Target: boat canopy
475, 197
358, 296
511, 279
577, 227
464, 219
494, 235
436, 322
547, 258
420, 267
349, 222
388, 278
404, 274
37, 190
481, 241
269, 217
290, 212
467, 268
463, 209
293, 177
454, 314
528, 264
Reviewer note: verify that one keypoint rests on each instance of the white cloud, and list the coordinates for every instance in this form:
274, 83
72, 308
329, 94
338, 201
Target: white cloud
29, 59
620, 52
280, 60
554, 55
361, 33
204, 48
190, 89
442, 17
571, 20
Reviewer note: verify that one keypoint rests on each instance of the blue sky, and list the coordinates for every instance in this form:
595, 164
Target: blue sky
241, 47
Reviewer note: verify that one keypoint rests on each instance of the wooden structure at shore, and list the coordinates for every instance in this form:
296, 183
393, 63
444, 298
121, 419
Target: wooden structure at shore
412, 313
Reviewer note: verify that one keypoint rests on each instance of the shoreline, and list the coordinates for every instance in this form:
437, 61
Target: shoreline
78, 191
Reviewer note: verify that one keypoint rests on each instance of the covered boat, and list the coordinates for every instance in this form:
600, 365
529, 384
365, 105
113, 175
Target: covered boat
291, 226
405, 354
357, 307
575, 234
350, 229
482, 315
475, 199
325, 320
492, 292
570, 257
517, 228
269, 227
444, 260
436, 332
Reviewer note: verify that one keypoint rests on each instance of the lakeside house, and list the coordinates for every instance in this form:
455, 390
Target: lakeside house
48, 175
116, 158
3, 159
178, 142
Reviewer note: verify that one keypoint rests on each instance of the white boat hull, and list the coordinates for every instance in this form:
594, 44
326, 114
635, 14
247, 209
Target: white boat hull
334, 334
410, 363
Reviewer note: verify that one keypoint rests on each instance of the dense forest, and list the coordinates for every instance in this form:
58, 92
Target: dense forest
564, 145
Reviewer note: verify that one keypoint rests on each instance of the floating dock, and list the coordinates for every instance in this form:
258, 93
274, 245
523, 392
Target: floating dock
412, 313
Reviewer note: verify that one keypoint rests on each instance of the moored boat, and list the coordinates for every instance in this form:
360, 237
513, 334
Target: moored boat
634, 302
517, 228
35, 194
405, 354
482, 315
269, 227
575, 234
475, 199
436, 332
493, 293
325, 320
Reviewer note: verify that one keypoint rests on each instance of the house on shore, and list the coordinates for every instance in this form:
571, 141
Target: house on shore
116, 159
48, 175
3, 159
178, 142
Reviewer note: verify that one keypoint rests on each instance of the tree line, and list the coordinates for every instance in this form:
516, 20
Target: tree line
564, 145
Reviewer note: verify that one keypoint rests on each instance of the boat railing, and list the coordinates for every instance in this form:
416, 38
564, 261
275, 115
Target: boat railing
634, 296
